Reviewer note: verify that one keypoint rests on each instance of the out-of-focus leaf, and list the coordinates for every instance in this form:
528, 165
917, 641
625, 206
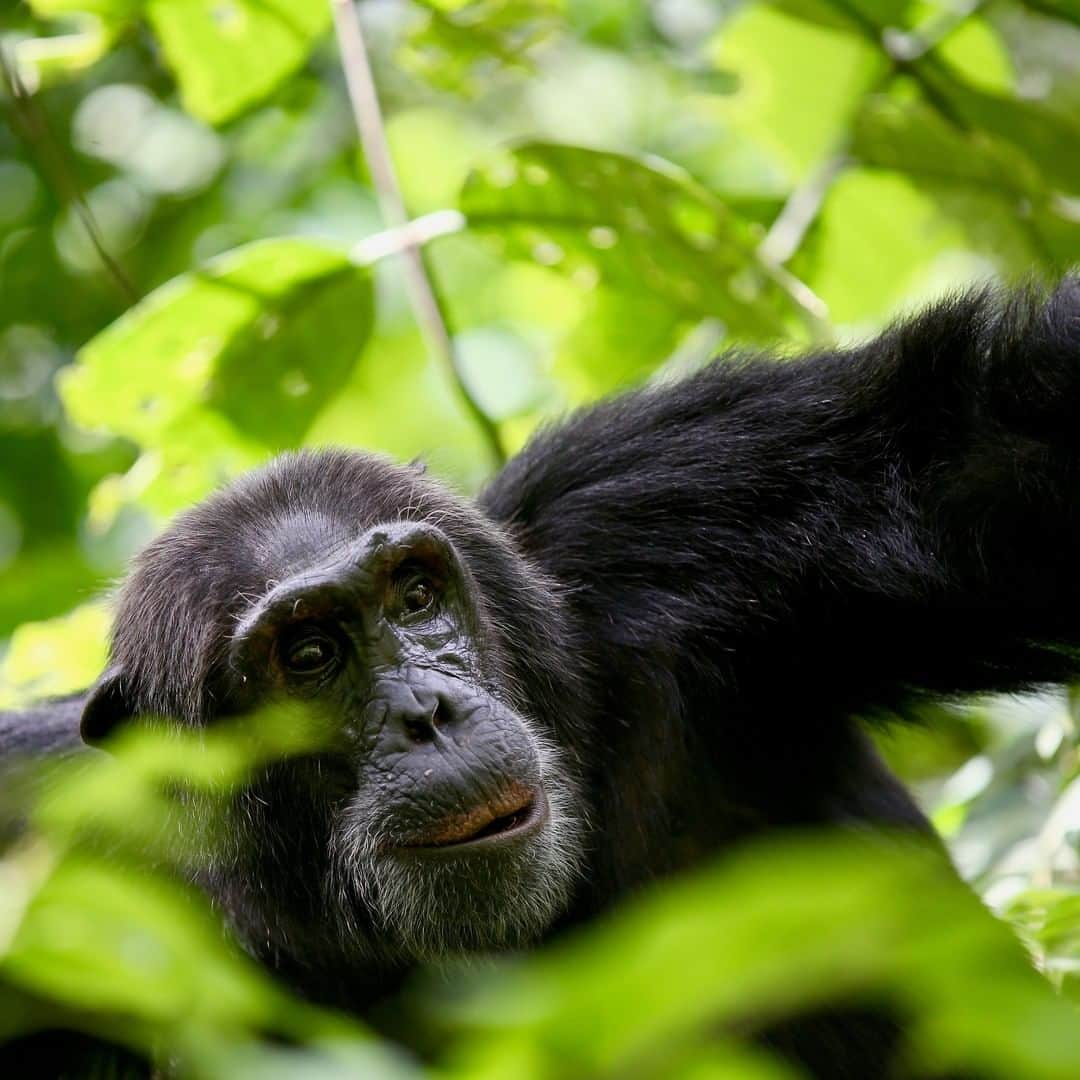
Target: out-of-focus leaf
266, 334
94, 939
976, 51
229, 54
978, 179
643, 226
859, 16
620, 340
1062, 9
1051, 141
777, 59
105, 9
1051, 918
460, 44
55, 657
728, 947
913, 137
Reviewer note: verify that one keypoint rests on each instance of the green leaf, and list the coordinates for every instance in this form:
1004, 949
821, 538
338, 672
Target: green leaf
461, 44
728, 949
977, 52
112, 10
913, 137
865, 17
778, 59
230, 54
1062, 9
265, 335
95, 939
1050, 140
620, 340
980, 180
644, 226
58, 656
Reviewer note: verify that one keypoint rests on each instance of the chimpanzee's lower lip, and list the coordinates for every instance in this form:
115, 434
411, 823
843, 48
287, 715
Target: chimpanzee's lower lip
519, 825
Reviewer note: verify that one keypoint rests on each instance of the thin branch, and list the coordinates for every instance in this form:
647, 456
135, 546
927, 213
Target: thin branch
801, 209
423, 297
415, 233
29, 121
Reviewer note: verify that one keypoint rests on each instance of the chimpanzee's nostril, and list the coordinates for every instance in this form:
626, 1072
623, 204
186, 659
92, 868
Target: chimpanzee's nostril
420, 731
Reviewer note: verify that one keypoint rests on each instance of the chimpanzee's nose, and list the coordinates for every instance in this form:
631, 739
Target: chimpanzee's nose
414, 716
422, 728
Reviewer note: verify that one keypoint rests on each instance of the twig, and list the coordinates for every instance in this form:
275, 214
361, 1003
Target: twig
423, 297
801, 209
413, 233
30, 123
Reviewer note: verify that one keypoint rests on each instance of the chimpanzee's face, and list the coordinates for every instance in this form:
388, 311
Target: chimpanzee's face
439, 816
459, 831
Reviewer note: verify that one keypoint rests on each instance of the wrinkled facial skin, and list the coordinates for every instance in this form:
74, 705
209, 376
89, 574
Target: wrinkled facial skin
450, 818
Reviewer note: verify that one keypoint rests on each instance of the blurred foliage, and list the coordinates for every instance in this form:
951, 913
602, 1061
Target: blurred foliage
183, 291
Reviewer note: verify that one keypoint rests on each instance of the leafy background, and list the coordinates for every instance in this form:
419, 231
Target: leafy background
189, 282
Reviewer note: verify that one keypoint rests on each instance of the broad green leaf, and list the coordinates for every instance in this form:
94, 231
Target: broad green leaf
1050, 140
265, 335
644, 226
229, 54
913, 137
981, 180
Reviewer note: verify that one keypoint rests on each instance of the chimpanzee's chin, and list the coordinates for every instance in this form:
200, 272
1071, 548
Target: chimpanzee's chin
479, 897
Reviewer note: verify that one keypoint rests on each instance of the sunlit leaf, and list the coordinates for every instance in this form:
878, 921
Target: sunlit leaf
265, 335
229, 54
642, 226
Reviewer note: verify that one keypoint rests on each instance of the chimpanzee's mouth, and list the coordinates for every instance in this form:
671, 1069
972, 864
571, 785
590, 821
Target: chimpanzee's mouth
515, 814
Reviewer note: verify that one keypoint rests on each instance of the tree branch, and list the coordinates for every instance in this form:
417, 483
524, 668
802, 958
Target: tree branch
423, 297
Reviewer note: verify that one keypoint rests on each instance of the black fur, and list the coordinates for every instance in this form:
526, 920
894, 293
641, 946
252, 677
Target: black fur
691, 589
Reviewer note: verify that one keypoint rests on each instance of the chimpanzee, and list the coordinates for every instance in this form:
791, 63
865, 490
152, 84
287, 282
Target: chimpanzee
645, 640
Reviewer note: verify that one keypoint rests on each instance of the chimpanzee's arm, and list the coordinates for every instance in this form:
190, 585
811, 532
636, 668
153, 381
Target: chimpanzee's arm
860, 524
51, 728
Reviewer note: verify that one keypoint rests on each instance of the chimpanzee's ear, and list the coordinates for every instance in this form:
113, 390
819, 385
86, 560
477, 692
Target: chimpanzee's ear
107, 708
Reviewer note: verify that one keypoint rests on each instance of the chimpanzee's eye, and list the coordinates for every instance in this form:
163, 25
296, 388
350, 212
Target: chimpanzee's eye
418, 594
309, 652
